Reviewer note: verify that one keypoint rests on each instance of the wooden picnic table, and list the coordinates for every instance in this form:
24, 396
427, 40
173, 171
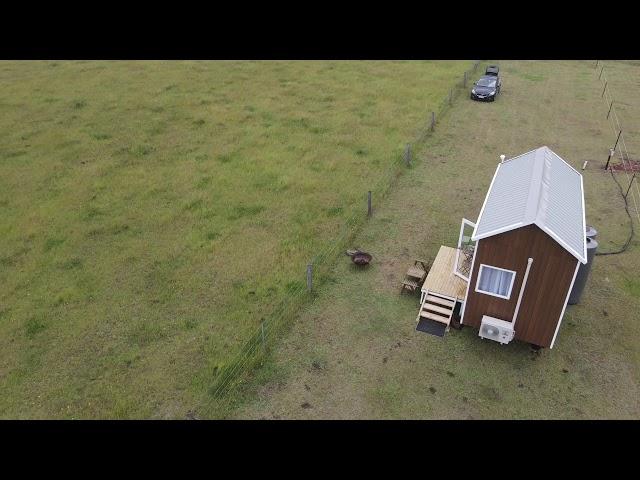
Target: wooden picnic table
415, 276
416, 272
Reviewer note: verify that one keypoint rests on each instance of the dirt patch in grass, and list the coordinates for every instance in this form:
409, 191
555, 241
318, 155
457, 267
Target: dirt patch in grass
626, 166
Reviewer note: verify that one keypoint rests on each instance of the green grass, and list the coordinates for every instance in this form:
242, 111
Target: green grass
154, 212
378, 366
632, 286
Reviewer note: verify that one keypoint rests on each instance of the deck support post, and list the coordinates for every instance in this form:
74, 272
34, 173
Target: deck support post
309, 277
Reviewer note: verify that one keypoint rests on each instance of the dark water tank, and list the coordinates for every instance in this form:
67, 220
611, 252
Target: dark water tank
583, 270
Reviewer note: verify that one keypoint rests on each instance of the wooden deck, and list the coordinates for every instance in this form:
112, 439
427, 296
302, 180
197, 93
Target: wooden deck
441, 279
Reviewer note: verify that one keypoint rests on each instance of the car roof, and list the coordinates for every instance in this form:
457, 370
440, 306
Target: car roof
488, 77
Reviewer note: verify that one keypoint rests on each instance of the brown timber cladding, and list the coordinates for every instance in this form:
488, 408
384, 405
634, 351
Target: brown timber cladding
549, 280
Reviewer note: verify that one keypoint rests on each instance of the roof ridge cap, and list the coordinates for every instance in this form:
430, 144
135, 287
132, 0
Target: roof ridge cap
543, 197
536, 191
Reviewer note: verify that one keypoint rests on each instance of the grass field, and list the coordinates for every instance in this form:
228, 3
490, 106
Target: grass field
354, 353
154, 212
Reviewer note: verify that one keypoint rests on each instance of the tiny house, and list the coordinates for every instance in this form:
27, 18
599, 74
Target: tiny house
513, 269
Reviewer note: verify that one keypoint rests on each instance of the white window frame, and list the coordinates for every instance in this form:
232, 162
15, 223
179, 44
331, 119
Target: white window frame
455, 265
513, 279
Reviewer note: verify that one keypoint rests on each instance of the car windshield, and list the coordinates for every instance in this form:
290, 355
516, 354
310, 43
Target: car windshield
486, 82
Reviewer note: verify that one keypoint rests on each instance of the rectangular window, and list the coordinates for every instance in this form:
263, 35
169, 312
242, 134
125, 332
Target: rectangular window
495, 281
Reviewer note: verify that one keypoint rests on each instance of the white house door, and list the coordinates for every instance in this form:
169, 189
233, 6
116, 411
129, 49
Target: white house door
465, 250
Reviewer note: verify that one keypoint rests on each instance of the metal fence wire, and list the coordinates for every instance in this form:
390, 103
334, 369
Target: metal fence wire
631, 186
252, 354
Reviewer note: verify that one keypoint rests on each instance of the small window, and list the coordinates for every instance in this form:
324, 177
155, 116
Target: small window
495, 281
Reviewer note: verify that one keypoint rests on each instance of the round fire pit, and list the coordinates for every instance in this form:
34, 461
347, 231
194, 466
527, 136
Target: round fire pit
359, 257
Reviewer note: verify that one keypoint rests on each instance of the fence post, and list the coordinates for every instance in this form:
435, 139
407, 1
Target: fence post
464, 81
369, 203
602, 70
632, 179
309, 277
597, 63
610, 107
407, 155
433, 121
262, 331
604, 89
611, 152
617, 139
451, 96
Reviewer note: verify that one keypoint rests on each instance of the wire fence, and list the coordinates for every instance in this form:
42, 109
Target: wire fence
252, 354
628, 165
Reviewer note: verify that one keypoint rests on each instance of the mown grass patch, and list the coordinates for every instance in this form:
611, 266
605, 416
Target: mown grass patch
532, 77
33, 326
147, 187
632, 286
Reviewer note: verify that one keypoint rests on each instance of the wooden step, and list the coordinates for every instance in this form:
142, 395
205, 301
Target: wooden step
436, 308
437, 318
441, 301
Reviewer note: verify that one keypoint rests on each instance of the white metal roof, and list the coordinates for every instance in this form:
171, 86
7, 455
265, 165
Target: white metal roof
537, 187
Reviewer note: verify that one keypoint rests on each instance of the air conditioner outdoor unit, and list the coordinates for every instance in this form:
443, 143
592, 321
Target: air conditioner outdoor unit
496, 329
